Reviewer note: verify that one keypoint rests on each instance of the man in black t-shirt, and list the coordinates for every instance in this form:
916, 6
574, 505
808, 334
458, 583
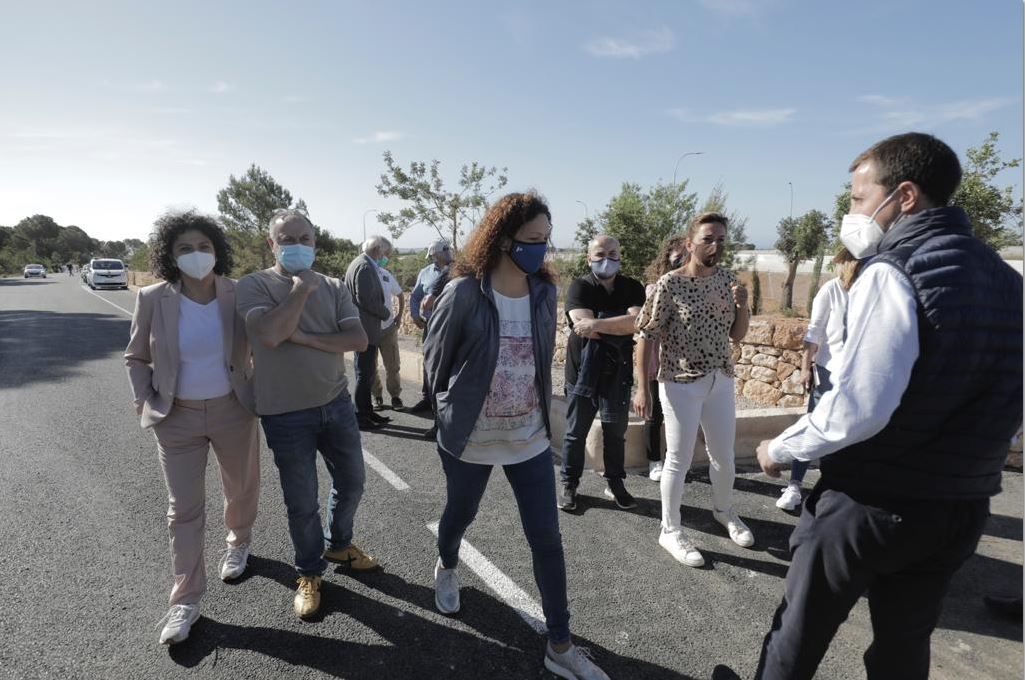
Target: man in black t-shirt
601, 307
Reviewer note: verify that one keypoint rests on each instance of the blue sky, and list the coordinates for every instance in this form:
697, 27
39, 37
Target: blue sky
113, 112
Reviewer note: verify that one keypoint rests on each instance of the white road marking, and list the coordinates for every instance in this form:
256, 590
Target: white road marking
514, 596
383, 470
92, 292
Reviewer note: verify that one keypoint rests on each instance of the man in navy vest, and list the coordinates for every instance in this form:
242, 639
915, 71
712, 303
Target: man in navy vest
913, 437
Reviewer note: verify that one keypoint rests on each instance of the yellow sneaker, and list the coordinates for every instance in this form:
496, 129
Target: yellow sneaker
307, 597
352, 558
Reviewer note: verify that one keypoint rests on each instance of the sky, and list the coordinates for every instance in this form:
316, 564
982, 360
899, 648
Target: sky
112, 113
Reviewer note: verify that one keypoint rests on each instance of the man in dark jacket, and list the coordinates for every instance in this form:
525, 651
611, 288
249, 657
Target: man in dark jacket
912, 439
364, 283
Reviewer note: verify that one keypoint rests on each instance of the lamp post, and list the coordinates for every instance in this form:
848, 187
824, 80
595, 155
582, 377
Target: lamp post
587, 215
791, 199
365, 213
677, 167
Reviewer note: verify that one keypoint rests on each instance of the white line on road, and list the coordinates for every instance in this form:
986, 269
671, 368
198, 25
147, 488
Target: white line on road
514, 596
91, 292
383, 470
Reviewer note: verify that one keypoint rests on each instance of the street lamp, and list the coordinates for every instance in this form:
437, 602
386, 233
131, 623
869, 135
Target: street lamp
587, 216
689, 153
791, 199
365, 223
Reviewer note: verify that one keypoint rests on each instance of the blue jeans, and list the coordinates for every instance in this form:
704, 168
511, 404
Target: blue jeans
822, 385
534, 487
365, 368
295, 438
580, 412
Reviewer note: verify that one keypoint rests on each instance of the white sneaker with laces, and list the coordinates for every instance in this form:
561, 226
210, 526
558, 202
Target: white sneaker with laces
179, 622
655, 470
446, 589
680, 547
790, 498
234, 562
573, 664
736, 528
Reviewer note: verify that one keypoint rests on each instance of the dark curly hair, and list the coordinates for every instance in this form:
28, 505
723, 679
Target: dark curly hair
166, 231
660, 265
482, 251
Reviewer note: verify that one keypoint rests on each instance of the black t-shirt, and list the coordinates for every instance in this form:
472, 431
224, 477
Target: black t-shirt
588, 293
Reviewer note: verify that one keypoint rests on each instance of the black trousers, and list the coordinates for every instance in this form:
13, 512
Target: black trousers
365, 365
902, 555
653, 425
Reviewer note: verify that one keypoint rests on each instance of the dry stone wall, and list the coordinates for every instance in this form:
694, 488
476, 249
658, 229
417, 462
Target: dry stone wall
768, 362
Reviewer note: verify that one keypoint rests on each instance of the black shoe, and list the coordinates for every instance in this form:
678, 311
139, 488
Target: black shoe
366, 424
568, 498
378, 404
396, 403
617, 492
431, 435
422, 406
1008, 607
378, 418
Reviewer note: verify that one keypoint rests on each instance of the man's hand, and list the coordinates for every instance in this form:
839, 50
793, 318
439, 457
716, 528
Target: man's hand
769, 466
298, 337
739, 291
419, 323
806, 379
428, 303
585, 328
642, 402
306, 281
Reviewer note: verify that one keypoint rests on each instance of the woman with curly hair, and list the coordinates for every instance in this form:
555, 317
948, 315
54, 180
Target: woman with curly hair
189, 367
488, 356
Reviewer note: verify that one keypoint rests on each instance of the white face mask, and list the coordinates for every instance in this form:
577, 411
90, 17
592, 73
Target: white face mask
861, 234
196, 265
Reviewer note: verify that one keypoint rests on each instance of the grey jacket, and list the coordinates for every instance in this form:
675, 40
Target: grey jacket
364, 284
461, 353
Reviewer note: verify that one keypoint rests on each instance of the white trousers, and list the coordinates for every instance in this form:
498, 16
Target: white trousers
710, 403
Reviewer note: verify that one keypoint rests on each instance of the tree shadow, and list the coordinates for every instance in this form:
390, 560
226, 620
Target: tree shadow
417, 646
47, 346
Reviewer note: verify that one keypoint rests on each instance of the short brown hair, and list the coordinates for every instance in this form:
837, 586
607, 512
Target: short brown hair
915, 157
710, 217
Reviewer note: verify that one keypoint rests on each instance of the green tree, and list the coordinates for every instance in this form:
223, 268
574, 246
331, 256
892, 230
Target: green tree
736, 227
800, 239
427, 200
642, 221
996, 217
841, 206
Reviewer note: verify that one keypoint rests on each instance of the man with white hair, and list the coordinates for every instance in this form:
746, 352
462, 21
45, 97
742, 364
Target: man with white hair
364, 284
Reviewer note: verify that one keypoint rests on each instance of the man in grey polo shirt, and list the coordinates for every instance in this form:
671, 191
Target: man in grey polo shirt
299, 324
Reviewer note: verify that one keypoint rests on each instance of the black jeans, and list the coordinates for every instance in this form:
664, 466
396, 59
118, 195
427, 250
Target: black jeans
902, 555
653, 425
365, 365
579, 416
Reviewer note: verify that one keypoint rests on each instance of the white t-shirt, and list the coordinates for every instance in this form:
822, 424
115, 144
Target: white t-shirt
510, 428
203, 372
391, 288
826, 326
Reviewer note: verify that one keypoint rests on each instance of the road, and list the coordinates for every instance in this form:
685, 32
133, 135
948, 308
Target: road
84, 571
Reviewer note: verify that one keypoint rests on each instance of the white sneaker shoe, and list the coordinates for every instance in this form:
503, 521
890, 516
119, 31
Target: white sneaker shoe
790, 498
680, 547
738, 531
234, 562
655, 470
179, 622
573, 664
446, 589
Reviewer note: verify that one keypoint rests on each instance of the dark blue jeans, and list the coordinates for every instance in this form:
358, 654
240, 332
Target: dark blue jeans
295, 438
822, 385
365, 366
534, 487
580, 414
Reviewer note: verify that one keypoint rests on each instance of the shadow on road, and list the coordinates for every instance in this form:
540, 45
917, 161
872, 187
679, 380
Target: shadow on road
963, 608
417, 646
25, 282
48, 346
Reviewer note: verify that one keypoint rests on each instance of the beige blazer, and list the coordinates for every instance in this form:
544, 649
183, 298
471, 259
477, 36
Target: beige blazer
152, 355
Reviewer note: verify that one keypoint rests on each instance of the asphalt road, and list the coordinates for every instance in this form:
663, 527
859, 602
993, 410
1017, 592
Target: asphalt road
84, 570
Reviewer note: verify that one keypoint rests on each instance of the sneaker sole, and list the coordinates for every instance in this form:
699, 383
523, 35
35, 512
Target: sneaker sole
559, 670
612, 497
699, 562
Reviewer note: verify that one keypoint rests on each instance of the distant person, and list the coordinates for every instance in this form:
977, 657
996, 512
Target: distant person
440, 255
70, 269
188, 363
671, 257
913, 440
389, 346
364, 283
601, 307
695, 312
823, 342
488, 357
300, 324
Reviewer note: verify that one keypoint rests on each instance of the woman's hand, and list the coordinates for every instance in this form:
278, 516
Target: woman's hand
642, 402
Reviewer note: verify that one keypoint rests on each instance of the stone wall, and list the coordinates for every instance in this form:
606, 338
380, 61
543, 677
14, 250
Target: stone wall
768, 361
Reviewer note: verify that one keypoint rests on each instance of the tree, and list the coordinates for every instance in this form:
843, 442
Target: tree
736, 232
996, 217
841, 206
427, 200
641, 222
800, 239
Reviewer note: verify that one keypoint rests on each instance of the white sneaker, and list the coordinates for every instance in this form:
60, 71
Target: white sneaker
735, 526
573, 664
790, 498
179, 622
446, 589
655, 470
680, 547
234, 562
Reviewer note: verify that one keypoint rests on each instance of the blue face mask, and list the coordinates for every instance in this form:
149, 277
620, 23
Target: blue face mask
528, 256
295, 258
605, 268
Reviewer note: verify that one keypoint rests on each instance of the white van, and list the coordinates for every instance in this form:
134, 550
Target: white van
106, 273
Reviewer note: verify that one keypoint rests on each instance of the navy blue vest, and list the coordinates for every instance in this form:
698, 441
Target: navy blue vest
948, 438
